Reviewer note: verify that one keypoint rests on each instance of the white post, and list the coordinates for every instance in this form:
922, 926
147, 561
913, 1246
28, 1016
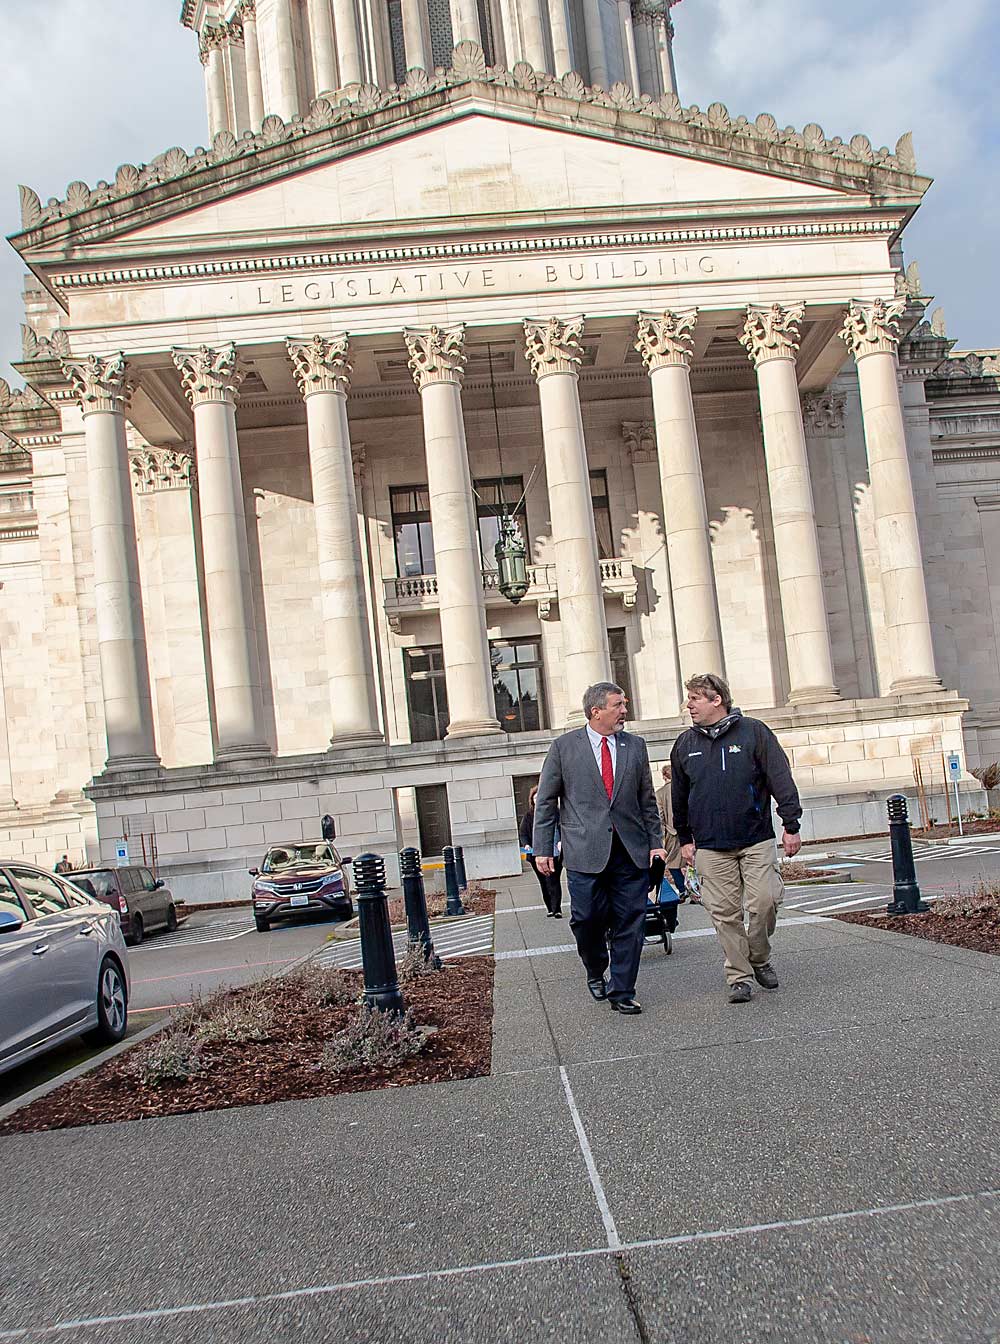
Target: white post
323, 375
416, 43
562, 42
211, 380
552, 346
437, 360
771, 338
871, 333
102, 387
597, 57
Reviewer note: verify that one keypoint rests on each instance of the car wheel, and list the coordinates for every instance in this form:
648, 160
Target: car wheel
172, 919
261, 925
136, 931
112, 1005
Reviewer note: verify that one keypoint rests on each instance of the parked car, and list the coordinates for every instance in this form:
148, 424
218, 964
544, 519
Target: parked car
305, 877
63, 965
142, 901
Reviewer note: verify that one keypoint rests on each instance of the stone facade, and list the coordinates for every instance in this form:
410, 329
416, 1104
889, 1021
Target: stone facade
248, 497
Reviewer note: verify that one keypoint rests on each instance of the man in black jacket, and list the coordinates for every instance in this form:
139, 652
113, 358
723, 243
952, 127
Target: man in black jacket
726, 769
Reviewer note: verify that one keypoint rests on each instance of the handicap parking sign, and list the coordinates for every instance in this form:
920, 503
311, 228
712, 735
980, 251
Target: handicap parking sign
121, 853
954, 765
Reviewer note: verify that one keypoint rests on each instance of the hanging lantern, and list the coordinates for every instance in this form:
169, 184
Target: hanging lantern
512, 560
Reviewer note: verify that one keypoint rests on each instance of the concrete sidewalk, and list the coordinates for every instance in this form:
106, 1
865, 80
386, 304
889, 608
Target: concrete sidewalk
818, 1165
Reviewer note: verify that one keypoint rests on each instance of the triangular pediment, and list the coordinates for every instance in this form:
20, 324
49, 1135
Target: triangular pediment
470, 144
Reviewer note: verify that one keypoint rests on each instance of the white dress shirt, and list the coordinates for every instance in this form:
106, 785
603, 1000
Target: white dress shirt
595, 741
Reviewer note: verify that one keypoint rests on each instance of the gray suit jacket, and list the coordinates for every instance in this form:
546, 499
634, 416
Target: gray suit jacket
571, 791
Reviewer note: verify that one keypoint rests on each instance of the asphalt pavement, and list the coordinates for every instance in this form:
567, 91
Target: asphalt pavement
817, 1165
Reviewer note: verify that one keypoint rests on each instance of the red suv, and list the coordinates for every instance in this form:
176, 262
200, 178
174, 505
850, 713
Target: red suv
305, 877
143, 902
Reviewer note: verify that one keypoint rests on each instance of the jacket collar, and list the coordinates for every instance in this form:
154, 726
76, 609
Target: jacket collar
714, 730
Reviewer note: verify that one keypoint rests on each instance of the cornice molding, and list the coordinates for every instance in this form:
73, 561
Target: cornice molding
487, 247
713, 130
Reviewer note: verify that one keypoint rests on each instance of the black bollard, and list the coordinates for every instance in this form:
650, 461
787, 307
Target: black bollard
415, 899
377, 954
463, 881
454, 906
905, 889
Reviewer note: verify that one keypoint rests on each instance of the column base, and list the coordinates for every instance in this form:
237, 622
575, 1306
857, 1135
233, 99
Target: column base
117, 765
350, 740
916, 686
473, 728
243, 751
813, 695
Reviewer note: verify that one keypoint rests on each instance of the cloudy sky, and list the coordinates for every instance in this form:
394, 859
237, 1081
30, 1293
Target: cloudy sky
86, 87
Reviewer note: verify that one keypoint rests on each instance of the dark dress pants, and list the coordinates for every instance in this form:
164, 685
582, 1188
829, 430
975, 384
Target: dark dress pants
550, 883
608, 909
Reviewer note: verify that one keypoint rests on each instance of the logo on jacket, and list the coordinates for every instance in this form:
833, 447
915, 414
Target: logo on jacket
735, 748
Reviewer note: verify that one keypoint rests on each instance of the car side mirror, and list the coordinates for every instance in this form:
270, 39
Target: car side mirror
254, 872
9, 922
158, 883
346, 858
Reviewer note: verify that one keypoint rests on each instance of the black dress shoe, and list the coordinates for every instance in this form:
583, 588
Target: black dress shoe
557, 914
598, 989
630, 1007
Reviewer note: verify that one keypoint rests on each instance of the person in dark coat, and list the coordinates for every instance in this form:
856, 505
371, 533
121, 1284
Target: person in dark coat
550, 883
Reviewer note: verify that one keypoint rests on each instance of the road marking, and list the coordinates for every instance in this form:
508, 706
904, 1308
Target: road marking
496, 1266
212, 970
218, 931
467, 936
607, 1217
521, 952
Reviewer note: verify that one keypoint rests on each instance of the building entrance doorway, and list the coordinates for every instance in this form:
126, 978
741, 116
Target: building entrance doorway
433, 819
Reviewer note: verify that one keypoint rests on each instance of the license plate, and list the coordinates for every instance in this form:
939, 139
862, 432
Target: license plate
298, 900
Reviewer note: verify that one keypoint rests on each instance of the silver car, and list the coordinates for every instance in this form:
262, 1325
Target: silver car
63, 965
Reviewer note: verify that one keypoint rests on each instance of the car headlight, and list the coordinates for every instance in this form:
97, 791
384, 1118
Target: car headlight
266, 886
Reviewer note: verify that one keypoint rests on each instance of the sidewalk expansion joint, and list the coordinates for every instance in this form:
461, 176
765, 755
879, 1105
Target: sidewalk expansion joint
632, 1302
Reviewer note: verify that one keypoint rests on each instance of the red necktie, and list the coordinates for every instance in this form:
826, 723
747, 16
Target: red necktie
607, 774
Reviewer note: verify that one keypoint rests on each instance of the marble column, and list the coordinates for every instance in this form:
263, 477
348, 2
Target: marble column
771, 338
349, 62
255, 86
628, 46
597, 56
465, 22
284, 93
533, 34
323, 375
416, 40
102, 388
871, 333
324, 48
215, 80
552, 346
235, 67
665, 341
437, 361
562, 41
211, 380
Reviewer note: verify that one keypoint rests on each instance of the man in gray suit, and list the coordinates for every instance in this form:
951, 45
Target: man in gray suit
596, 782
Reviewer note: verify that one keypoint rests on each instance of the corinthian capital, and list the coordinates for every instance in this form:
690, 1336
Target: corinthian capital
823, 412
320, 364
552, 344
772, 333
666, 338
100, 384
209, 375
872, 328
437, 354
640, 440
161, 469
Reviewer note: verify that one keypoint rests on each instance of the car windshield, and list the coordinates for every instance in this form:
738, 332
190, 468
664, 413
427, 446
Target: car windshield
297, 856
101, 882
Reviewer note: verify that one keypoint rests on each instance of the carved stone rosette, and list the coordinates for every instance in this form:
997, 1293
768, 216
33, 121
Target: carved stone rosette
772, 333
823, 413
100, 383
552, 344
320, 364
666, 338
872, 328
639, 437
207, 374
437, 354
161, 469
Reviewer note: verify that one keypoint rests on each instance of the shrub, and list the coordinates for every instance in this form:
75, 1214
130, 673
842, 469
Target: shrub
323, 986
237, 1018
374, 1040
172, 1056
415, 964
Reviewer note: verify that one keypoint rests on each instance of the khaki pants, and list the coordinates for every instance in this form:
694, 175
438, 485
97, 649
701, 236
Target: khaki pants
738, 880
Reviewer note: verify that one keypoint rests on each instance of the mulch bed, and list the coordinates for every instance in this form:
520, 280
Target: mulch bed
458, 1001
982, 827
800, 872
972, 922
477, 901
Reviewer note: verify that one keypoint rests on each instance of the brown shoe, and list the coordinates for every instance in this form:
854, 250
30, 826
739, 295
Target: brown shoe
765, 976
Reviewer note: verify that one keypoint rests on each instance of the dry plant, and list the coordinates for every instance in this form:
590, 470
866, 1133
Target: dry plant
172, 1056
374, 1040
322, 986
984, 900
415, 964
